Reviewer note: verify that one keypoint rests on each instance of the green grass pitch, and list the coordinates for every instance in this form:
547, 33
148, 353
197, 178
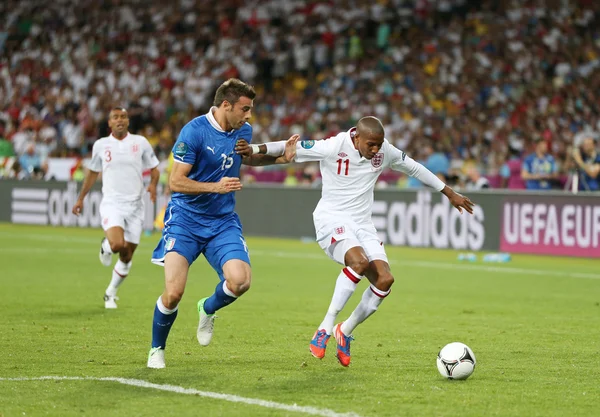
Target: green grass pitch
533, 324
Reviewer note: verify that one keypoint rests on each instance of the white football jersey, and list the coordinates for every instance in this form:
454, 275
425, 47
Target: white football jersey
122, 163
349, 179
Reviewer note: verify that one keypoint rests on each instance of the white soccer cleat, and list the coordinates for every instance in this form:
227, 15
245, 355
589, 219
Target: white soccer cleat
105, 257
206, 325
110, 301
156, 358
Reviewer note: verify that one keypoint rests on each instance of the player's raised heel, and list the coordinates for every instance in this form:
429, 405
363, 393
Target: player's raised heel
318, 344
110, 301
343, 345
156, 358
105, 257
206, 324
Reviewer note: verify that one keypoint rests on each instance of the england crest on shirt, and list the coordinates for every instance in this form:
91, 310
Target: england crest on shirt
377, 160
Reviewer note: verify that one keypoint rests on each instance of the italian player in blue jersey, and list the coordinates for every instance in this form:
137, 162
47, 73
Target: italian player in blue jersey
200, 218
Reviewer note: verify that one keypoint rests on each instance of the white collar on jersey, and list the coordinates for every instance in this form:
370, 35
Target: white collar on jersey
213, 122
126, 136
351, 134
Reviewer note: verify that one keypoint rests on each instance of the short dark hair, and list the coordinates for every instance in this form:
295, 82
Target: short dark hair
370, 124
231, 90
117, 108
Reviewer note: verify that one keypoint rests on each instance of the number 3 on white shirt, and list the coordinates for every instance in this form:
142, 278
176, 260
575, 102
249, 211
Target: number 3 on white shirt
227, 162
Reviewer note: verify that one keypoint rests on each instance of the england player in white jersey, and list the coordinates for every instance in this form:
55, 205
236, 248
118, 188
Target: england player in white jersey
122, 158
351, 163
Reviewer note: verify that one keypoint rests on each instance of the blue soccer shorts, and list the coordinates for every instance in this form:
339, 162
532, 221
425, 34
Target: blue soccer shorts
219, 240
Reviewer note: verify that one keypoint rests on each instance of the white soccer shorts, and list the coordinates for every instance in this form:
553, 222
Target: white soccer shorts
127, 216
337, 236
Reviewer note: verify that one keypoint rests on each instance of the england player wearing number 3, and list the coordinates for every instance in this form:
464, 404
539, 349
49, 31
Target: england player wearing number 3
350, 164
122, 158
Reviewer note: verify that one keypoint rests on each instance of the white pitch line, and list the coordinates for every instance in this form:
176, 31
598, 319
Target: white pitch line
440, 265
324, 412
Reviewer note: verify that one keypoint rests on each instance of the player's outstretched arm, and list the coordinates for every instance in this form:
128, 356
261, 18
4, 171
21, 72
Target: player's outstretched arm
272, 153
88, 182
458, 200
180, 183
259, 160
402, 162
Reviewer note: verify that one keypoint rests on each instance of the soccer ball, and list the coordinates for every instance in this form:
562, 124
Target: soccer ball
456, 361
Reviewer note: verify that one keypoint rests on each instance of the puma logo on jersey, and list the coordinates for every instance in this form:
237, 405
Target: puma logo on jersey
210, 149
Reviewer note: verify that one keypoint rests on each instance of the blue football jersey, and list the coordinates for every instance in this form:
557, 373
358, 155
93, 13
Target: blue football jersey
211, 152
535, 165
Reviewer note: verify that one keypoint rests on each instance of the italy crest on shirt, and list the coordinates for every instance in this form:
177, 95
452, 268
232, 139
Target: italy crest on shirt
170, 243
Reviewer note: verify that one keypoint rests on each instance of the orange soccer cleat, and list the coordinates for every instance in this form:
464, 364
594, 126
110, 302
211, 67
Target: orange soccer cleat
343, 345
318, 344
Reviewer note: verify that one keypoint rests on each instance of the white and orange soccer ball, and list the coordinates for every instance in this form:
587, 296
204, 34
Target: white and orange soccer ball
456, 361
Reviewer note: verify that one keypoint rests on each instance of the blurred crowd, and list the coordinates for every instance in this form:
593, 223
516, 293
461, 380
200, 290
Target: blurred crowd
484, 93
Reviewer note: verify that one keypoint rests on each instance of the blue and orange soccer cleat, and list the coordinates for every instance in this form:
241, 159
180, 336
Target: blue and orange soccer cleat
343, 345
318, 344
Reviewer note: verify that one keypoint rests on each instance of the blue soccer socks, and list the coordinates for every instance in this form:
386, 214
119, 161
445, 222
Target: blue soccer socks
221, 298
161, 324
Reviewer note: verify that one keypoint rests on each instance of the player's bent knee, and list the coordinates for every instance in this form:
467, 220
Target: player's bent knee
239, 287
384, 281
360, 266
125, 256
238, 276
117, 246
174, 296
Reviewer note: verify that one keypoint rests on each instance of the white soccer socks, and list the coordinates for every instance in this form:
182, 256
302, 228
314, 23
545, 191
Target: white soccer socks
345, 286
371, 299
119, 273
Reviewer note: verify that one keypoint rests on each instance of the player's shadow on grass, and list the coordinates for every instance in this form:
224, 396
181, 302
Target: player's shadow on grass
283, 381
75, 312
288, 375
